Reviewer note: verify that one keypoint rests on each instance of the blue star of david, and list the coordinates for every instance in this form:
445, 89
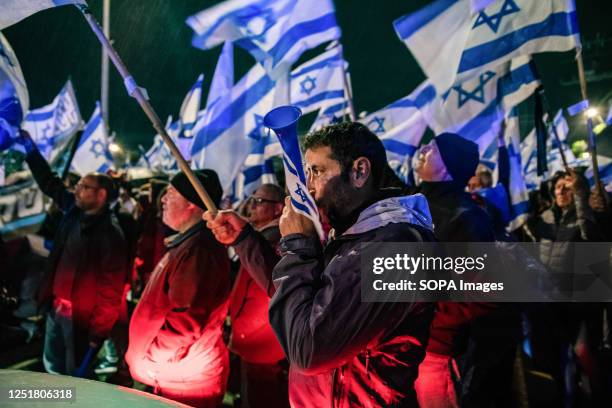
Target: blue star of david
301, 193
46, 131
97, 148
494, 20
308, 85
477, 94
379, 125
258, 131
248, 14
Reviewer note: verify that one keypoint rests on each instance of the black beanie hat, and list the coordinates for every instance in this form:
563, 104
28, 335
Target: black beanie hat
460, 156
209, 180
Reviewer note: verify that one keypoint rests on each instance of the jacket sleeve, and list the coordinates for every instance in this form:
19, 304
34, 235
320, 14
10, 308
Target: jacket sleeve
189, 282
49, 183
317, 313
111, 281
258, 256
585, 218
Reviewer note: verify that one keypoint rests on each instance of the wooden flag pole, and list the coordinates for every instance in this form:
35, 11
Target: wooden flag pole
139, 94
591, 134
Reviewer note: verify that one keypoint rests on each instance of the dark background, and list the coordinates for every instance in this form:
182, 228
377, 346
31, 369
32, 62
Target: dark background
155, 44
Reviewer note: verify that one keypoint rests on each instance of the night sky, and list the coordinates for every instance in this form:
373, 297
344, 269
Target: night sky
155, 43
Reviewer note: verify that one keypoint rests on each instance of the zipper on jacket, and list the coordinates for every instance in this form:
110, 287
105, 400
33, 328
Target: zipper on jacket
367, 363
333, 387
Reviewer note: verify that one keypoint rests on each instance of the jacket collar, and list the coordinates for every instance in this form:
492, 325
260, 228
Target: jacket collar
411, 209
177, 239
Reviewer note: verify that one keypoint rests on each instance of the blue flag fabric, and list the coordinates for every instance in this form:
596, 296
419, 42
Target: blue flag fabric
476, 108
275, 32
14, 11
454, 40
52, 126
92, 154
12, 82
401, 126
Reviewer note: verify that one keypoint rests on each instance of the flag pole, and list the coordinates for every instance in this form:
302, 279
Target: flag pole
104, 68
139, 94
591, 134
347, 89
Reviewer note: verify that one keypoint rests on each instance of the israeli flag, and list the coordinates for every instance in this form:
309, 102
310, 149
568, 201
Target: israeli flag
319, 82
159, 157
553, 157
190, 108
230, 129
475, 108
188, 116
12, 83
52, 126
561, 126
401, 126
14, 11
454, 40
92, 154
258, 168
519, 194
605, 172
275, 32
330, 115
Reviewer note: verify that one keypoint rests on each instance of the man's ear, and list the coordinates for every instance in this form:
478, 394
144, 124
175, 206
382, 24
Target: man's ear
361, 171
103, 195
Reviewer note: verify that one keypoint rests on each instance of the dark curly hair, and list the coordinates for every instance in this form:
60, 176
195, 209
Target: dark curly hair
348, 141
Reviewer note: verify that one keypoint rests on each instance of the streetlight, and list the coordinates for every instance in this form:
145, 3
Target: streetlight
591, 113
114, 148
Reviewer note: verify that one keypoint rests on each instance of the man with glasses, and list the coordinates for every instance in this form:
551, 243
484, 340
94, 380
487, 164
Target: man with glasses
87, 265
263, 365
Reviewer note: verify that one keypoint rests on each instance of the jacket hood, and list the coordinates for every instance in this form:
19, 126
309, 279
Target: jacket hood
411, 209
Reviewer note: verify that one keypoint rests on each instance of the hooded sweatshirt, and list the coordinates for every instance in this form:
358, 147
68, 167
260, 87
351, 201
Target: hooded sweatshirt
344, 352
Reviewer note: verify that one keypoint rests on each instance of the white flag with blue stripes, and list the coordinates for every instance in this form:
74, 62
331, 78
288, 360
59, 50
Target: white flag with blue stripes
14, 11
605, 172
258, 168
561, 126
52, 126
553, 157
275, 32
188, 115
474, 109
519, 195
226, 134
329, 115
92, 154
401, 126
319, 82
453, 40
190, 108
159, 157
12, 82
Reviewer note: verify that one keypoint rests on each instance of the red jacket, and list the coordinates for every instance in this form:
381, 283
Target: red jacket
176, 329
252, 336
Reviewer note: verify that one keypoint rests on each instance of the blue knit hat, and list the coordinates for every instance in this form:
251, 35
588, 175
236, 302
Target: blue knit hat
460, 156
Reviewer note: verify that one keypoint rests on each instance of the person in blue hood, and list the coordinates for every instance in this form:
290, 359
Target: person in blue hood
342, 351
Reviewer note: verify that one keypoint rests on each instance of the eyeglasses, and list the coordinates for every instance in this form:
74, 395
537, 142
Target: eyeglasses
80, 186
259, 201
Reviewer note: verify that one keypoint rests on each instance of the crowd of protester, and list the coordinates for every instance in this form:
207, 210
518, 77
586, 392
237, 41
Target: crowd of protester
197, 305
